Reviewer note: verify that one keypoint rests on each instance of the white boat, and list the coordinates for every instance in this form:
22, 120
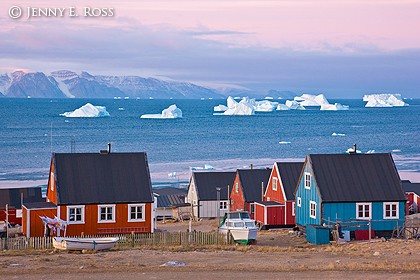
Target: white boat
240, 225
67, 243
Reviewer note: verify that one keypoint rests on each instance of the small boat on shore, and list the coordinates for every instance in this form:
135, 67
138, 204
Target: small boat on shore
240, 225
67, 243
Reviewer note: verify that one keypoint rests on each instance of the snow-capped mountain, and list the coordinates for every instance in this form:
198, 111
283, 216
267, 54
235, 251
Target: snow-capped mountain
64, 83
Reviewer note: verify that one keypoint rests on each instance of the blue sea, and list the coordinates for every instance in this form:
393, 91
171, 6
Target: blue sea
30, 129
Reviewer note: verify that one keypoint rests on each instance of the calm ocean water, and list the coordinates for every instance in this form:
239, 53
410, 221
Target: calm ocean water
25, 132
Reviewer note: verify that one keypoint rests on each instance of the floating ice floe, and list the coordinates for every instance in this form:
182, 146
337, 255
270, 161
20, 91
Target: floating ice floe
311, 100
334, 107
282, 107
121, 109
264, 106
172, 112
268, 98
87, 111
384, 100
284, 142
370, 152
338, 134
220, 108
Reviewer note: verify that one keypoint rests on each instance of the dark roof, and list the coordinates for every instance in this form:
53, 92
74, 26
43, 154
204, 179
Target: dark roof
169, 197
289, 173
411, 187
13, 196
251, 180
102, 178
269, 203
39, 205
207, 182
356, 177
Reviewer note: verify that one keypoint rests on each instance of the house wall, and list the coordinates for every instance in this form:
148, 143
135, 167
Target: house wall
121, 224
270, 193
12, 216
192, 198
208, 209
275, 215
237, 198
259, 215
347, 211
413, 199
52, 185
32, 225
163, 212
302, 212
290, 219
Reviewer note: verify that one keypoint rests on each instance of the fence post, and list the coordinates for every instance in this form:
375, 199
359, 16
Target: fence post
370, 229
132, 239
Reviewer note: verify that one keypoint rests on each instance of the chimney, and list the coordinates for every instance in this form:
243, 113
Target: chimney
354, 150
107, 151
251, 166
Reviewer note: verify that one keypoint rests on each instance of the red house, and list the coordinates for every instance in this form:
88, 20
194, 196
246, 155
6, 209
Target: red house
278, 207
102, 193
412, 191
13, 197
248, 187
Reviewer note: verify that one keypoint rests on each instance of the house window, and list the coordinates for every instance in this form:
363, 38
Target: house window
391, 210
106, 213
363, 211
237, 187
223, 205
293, 209
252, 208
307, 180
136, 212
76, 214
312, 209
299, 202
274, 184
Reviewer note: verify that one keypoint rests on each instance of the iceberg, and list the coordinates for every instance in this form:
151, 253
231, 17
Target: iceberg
265, 106
384, 100
334, 107
294, 105
172, 112
220, 108
241, 109
282, 107
87, 111
338, 134
284, 142
311, 100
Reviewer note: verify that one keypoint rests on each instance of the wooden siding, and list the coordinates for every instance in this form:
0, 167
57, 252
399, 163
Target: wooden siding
302, 213
413, 198
52, 185
192, 197
290, 219
237, 198
32, 218
12, 216
259, 214
274, 195
347, 211
208, 209
121, 224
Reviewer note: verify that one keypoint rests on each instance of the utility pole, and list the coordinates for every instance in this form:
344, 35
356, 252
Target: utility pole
218, 206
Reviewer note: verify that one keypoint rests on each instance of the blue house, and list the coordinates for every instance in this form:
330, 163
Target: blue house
352, 189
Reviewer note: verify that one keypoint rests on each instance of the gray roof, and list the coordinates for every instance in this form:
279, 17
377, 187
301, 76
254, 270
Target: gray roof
39, 205
251, 180
13, 196
207, 182
269, 203
356, 177
169, 197
102, 178
289, 176
411, 187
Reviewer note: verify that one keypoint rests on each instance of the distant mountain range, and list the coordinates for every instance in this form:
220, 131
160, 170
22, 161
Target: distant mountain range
68, 84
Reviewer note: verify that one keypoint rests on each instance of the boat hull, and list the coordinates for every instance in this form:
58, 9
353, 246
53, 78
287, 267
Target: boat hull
241, 235
79, 244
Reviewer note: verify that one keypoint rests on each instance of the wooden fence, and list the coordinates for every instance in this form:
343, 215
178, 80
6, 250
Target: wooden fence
128, 240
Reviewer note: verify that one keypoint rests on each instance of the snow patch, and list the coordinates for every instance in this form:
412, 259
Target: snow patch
384, 100
87, 111
172, 112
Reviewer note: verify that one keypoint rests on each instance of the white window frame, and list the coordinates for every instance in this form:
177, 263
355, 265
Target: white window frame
397, 210
308, 186
237, 187
310, 209
293, 209
299, 201
143, 211
82, 212
364, 204
18, 213
99, 213
223, 205
274, 183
